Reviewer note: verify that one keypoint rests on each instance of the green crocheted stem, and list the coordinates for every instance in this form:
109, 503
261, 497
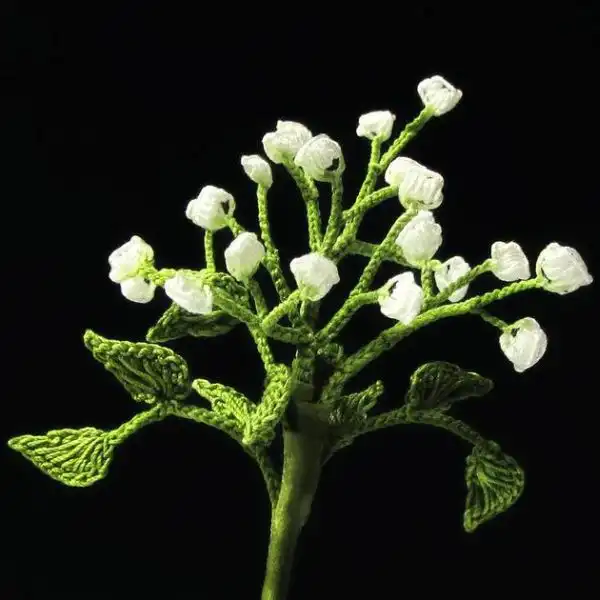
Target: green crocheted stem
466, 279
343, 316
209, 250
402, 416
393, 254
388, 338
154, 414
427, 282
280, 311
353, 218
271, 259
409, 132
334, 223
379, 254
310, 196
233, 225
373, 170
260, 304
488, 318
304, 437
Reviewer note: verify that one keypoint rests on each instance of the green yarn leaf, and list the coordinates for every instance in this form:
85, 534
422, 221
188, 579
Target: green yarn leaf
75, 457
225, 401
494, 481
269, 412
354, 408
149, 372
176, 323
438, 385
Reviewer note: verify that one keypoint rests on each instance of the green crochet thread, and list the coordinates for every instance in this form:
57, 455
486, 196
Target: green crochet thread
314, 426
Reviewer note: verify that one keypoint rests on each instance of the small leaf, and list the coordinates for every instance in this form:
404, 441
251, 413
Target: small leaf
176, 323
148, 372
269, 412
225, 400
437, 385
353, 408
75, 457
494, 482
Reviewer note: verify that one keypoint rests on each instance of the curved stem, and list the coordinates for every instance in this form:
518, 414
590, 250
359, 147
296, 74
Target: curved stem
388, 338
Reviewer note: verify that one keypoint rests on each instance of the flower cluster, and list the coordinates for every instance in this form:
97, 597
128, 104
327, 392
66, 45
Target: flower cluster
420, 191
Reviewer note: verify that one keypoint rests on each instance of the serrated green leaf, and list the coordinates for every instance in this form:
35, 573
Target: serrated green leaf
75, 457
149, 372
225, 400
353, 408
494, 482
269, 412
438, 385
176, 323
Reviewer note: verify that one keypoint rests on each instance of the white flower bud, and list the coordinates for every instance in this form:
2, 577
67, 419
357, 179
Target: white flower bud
401, 298
563, 268
524, 343
448, 272
258, 170
378, 123
509, 262
243, 255
284, 143
438, 94
137, 289
321, 158
420, 239
398, 168
207, 210
189, 292
315, 275
129, 258
422, 187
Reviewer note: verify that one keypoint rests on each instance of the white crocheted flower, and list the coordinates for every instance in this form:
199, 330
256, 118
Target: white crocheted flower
524, 343
137, 289
450, 271
401, 298
420, 239
378, 123
321, 158
315, 275
128, 259
437, 93
208, 209
258, 170
509, 262
190, 293
563, 268
417, 185
243, 255
283, 144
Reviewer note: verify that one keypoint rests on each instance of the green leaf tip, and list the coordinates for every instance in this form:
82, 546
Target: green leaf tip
149, 372
438, 385
176, 323
494, 481
75, 457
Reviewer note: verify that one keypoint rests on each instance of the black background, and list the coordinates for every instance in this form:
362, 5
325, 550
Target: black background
117, 117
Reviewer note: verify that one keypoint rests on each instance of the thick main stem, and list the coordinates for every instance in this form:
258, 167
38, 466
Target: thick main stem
304, 437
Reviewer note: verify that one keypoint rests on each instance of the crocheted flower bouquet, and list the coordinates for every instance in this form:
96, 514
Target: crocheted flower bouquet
208, 303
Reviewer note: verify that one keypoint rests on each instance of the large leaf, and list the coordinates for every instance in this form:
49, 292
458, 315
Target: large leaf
438, 385
75, 457
150, 373
494, 482
176, 323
